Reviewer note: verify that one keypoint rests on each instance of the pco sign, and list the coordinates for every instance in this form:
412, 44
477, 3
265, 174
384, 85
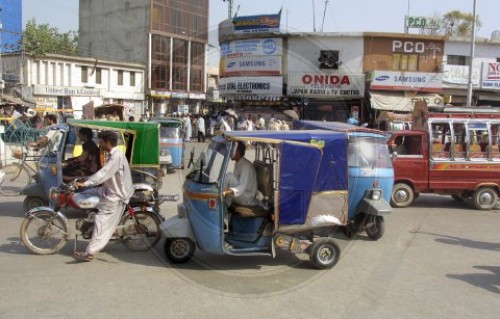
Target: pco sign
408, 46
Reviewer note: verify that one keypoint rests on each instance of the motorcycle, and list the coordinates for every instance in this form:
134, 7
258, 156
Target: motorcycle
45, 230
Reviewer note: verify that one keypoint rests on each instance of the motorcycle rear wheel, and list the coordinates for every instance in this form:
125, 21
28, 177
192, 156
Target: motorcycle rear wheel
41, 236
141, 232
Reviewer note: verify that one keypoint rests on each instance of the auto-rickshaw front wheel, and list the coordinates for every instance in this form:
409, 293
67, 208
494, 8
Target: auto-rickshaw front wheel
324, 253
374, 227
179, 250
31, 202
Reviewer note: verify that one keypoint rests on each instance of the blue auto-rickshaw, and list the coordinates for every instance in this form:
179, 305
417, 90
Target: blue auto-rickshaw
309, 181
365, 146
141, 148
171, 141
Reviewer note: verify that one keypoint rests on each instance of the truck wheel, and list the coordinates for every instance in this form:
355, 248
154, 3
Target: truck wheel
375, 227
179, 250
324, 253
402, 195
485, 198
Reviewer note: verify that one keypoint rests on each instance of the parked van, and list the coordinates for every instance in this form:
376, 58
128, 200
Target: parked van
457, 155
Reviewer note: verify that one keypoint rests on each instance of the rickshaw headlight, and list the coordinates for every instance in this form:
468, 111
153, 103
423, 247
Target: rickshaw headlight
54, 193
376, 194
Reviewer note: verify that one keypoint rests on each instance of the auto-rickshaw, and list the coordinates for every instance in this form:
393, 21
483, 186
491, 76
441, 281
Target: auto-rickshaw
141, 140
171, 142
104, 111
310, 181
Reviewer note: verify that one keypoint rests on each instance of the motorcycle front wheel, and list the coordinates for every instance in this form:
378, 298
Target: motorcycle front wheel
43, 233
140, 232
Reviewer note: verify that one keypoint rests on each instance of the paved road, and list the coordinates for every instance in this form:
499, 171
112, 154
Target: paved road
437, 259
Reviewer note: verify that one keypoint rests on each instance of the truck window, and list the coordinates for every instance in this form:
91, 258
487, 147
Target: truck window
458, 147
440, 140
494, 148
477, 140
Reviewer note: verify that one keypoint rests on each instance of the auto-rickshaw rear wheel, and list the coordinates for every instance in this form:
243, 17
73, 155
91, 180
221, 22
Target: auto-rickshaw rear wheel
31, 202
179, 250
324, 253
374, 226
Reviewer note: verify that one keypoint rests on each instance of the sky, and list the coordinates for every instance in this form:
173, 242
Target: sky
297, 15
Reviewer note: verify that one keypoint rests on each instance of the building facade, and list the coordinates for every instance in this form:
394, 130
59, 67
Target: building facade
67, 82
169, 36
375, 77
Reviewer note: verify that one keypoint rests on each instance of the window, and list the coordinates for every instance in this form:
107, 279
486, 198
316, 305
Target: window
404, 62
457, 60
477, 140
440, 147
98, 76
85, 74
132, 78
120, 77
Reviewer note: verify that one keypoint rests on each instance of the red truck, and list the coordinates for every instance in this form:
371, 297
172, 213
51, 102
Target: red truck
457, 155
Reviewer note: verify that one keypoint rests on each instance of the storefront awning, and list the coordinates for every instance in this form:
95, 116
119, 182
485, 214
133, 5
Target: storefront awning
15, 100
396, 101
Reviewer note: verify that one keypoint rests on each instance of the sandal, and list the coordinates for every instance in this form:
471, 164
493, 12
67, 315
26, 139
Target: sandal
83, 256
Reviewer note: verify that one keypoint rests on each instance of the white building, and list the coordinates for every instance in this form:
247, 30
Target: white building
58, 81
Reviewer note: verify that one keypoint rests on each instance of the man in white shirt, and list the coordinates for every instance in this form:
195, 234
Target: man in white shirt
115, 193
261, 123
200, 124
242, 183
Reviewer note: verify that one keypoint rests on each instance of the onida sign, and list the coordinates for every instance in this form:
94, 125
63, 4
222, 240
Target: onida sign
315, 85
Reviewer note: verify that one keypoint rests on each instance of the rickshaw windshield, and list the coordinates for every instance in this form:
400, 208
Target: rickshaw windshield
170, 131
208, 167
368, 152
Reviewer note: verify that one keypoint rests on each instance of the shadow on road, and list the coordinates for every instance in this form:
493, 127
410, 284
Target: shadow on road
487, 281
458, 241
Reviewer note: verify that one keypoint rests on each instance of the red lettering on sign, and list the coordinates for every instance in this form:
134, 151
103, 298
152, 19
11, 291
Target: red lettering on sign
326, 79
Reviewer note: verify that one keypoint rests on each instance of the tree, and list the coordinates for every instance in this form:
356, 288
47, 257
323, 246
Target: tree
42, 39
458, 24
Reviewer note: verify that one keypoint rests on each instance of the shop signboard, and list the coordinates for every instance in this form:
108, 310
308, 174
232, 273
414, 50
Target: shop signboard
250, 65
253, 47
65, 90
325, 86
412, 81
459, 75
257, 23
261, 85
491, 76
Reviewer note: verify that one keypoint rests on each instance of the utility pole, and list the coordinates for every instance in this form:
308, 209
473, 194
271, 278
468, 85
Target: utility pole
472, 48
2, 83
314, 17
229, 8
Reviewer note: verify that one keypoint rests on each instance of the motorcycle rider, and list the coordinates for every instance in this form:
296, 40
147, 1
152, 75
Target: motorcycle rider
115, 193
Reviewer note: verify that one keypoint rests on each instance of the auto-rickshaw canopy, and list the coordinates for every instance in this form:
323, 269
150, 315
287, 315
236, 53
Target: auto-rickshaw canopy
332, 171
145, 144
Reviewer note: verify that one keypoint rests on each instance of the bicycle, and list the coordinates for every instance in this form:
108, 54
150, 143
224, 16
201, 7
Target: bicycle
14, 176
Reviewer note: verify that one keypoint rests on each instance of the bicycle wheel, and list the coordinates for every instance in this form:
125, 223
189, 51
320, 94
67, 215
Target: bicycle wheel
42, 236
141, 232
13, 177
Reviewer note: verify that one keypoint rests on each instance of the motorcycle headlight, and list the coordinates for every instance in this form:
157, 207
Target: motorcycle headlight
376, 194
54, 193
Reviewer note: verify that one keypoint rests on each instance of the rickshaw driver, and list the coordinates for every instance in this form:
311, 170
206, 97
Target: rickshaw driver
49, 136
115, 193
241, 185
87, 163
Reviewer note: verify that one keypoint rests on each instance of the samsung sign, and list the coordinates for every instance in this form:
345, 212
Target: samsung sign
251, 47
